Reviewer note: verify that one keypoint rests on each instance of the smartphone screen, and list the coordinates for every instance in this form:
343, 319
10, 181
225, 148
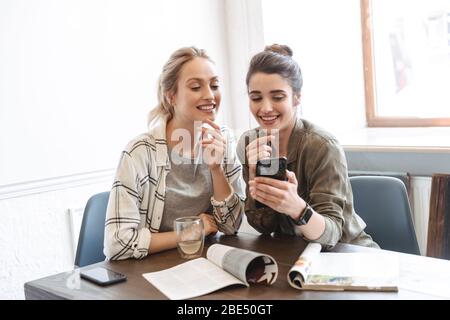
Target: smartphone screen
274, 168
102, 276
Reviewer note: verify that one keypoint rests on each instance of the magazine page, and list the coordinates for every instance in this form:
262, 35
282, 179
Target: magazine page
300, 270
191, 279
354, 271
247, 266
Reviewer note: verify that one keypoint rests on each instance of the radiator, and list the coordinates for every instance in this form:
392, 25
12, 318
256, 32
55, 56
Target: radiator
420, 205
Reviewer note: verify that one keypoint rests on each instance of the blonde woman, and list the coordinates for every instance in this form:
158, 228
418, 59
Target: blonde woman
184, 165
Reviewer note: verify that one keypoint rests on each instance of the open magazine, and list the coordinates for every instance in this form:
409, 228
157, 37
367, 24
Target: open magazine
223, 267
360, 271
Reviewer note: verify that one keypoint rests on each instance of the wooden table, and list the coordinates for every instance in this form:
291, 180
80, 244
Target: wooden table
420, 277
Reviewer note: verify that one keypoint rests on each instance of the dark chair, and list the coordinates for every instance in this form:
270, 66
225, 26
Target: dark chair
382, 202
90, 241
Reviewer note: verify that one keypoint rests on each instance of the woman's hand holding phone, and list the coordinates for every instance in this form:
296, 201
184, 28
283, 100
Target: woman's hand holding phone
279, 195
256, 150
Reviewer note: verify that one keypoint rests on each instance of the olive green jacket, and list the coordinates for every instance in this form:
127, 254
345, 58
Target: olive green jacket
320, 166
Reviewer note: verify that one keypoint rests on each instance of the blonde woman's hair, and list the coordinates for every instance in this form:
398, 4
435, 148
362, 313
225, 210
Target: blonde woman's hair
168, 80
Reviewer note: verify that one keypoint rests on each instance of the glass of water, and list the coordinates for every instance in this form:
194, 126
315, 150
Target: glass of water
190, 236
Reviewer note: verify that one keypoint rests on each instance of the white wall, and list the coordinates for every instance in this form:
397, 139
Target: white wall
325, 36
34, 235
244, 30
77, 78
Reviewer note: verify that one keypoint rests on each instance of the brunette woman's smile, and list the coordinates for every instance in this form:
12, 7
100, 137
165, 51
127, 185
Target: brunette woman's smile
269, 120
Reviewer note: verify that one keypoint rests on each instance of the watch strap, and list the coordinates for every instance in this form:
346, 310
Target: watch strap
304, 216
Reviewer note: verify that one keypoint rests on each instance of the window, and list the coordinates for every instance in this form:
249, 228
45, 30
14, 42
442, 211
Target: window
406, 49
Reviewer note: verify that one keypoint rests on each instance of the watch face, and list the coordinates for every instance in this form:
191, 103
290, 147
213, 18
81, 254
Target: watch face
306, 216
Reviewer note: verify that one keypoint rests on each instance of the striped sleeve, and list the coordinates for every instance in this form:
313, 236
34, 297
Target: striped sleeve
229, 212
123, 237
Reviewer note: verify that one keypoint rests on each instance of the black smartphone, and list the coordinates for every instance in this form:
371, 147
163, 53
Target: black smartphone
102, 276
274, 168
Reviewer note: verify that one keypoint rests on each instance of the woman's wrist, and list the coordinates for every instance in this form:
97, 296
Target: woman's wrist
298, 209
221, 187
216, 170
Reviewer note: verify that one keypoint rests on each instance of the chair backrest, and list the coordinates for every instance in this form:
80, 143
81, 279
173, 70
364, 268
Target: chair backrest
90, 241
382, 202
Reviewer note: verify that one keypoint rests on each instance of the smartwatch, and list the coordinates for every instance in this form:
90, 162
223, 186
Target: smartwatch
304, 216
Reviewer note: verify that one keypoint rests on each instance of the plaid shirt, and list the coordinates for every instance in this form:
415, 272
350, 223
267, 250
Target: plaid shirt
136, 201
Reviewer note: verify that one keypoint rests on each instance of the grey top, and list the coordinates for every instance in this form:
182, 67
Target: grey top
188, 190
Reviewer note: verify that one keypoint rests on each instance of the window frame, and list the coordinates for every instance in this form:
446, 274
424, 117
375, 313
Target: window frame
373, 119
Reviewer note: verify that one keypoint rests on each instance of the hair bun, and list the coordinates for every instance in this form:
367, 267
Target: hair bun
280, 49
